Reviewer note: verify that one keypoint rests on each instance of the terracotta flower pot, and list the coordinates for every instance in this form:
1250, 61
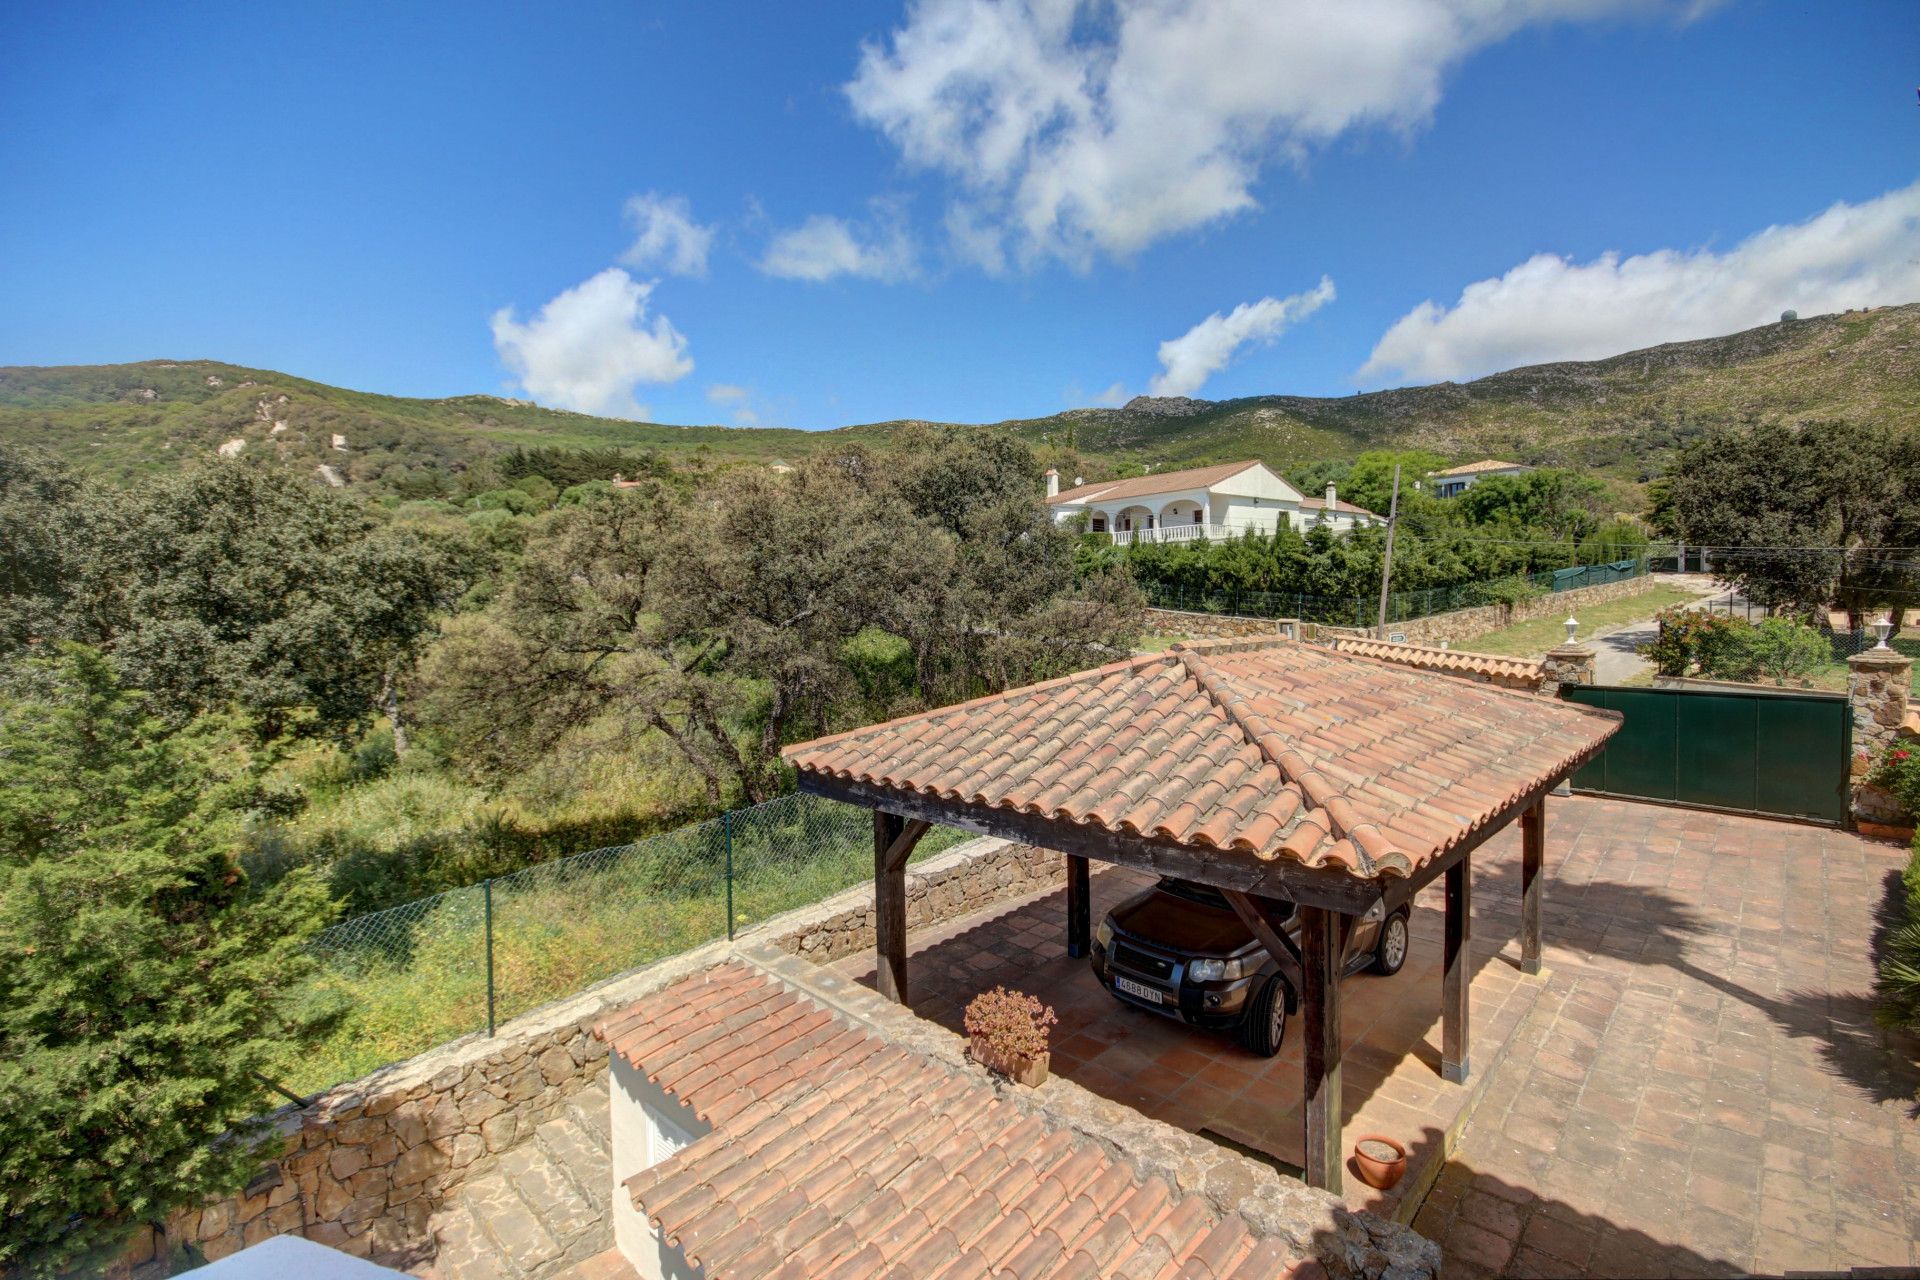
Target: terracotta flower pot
1381, 1161
1018, 1067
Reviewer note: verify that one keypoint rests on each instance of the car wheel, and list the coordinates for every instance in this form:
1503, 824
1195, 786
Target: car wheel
1265, 1023
1391, 951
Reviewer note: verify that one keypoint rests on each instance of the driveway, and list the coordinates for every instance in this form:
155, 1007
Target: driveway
1617, 658
1617, 653
1702, 1089
1696, 1089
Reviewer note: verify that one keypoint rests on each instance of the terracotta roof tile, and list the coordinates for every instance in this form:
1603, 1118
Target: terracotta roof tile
1260, 749
1339, 504
1485, 464
880, 1162
1144, 486
1512, 673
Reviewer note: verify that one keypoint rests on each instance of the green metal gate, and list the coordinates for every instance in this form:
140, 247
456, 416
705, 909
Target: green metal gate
1783, 754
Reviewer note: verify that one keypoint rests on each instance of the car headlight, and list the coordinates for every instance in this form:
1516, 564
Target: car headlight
1222, 970
1103, 932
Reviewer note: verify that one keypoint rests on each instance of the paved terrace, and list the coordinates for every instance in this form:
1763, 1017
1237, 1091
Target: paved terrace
1697, 1088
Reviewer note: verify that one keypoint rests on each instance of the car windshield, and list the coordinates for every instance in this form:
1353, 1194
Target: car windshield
1204, 894
1208, 896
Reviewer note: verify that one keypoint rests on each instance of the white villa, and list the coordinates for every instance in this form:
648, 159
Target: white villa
1222, 501
1455, 481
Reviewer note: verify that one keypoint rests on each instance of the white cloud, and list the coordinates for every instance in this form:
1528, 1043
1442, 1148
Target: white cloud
589, 347
1204, 350
737, 400
1552, 308
1075, 127
665, 236
1113, 397
824, 246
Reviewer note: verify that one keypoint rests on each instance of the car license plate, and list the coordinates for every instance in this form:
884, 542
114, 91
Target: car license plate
1140, 989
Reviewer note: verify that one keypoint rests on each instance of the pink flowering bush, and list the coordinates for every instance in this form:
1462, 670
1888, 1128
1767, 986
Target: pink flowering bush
1010, 1022
1898, 773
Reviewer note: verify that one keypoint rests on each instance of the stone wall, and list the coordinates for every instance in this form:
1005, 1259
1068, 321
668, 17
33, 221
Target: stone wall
1455, 627
962, 879
1462, 625
1210, 626
365, 1165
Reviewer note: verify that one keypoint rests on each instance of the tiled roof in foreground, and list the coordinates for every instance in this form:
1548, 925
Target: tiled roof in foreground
835, 1154
1258, 748
1512, 673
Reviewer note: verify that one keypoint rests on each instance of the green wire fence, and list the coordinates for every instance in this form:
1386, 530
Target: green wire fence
467, 960
1402, 606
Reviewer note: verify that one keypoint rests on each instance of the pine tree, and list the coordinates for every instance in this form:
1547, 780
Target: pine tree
143, 989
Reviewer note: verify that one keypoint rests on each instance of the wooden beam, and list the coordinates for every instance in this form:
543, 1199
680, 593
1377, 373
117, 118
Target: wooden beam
1319, 950
903, 844
1533, 858
1253, 914
1456, 975
890, 904
1079, 906
1280, 878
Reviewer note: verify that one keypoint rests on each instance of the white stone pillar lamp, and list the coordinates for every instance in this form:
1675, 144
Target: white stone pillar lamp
1572, 625
1883, 628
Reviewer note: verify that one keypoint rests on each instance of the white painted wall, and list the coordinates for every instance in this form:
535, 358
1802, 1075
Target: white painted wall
649, 1124
1241, 514
1258, 482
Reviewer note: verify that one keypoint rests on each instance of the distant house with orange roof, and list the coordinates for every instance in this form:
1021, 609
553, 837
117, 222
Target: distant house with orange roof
1455, 481
1221, 501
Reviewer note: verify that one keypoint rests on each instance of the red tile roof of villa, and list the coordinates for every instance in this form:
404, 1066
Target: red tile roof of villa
1485, 464
1512, 673
1163, 482
833, 1153
1339, 504
1261, 749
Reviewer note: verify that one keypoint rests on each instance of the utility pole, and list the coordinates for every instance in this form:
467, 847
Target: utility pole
1386, 567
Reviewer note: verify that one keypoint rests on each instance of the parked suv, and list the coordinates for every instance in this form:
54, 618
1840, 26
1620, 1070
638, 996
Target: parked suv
1178, 949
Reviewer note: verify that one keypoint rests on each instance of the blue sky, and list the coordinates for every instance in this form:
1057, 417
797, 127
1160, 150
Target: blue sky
969, 210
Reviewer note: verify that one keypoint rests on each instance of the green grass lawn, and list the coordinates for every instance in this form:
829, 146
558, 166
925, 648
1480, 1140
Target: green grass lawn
1157, 644
1528, 638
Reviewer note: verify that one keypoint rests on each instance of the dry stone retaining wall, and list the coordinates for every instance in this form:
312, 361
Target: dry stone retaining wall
963, 879
1208, 626
365, 1165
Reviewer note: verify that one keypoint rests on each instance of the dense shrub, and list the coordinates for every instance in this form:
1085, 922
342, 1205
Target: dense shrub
1898, 985
1898, 774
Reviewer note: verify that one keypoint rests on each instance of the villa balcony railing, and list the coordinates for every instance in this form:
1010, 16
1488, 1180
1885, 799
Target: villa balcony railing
1173, 533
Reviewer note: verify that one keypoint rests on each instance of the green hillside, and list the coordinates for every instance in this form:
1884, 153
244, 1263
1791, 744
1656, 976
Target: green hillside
1617, 416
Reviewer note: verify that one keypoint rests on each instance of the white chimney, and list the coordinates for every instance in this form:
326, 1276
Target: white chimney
1330, 497
1053, 482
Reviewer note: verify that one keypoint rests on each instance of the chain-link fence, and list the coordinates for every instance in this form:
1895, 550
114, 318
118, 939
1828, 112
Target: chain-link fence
429, 971
1402, 606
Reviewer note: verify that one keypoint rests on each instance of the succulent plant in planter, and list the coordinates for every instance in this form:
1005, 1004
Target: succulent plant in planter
1007, 1033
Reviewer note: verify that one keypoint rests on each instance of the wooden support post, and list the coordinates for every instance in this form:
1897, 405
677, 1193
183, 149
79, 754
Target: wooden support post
1320, 1003
889, 907
1079, 906
1455, 970
1533, 857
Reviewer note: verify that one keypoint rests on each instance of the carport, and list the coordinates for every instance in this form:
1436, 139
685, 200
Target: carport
1267, 769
